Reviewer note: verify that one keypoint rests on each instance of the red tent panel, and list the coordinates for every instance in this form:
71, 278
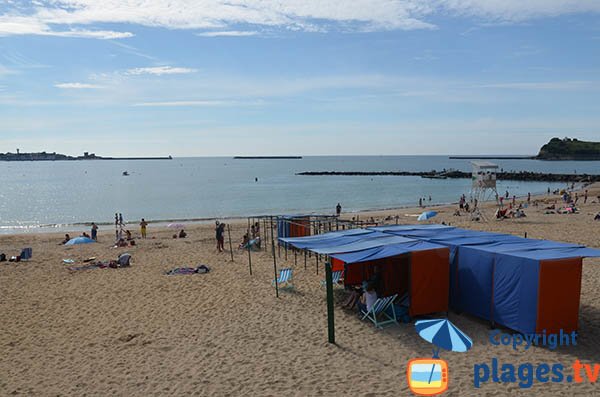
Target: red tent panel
558, 295
337, 265
429, 276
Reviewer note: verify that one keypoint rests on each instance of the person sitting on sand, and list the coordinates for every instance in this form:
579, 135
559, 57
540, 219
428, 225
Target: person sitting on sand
128, 234
121, 243
354, 296
84, 234
66, 240
368, 299
182, 234
244, 241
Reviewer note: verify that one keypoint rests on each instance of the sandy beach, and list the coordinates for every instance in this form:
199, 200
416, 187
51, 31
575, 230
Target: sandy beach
137, 332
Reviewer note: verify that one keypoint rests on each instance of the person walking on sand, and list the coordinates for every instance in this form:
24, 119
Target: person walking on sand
94, 232
143, 225
585, 196
338, 209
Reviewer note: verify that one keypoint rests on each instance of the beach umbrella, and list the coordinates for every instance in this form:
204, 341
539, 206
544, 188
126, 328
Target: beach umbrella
80, 240
443, 334
176, 226
426, 215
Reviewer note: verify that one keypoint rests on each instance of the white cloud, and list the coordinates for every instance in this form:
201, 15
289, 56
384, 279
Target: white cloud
547, 85
517, 10
67, 17
228, 33
186, 103
77, 86
33, 25
159, 70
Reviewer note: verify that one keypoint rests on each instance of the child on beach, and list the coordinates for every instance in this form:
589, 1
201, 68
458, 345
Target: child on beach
94, 231
143, 225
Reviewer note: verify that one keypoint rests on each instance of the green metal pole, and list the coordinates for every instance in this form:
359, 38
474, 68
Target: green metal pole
230, 246
249, 255
330, 321
274, 263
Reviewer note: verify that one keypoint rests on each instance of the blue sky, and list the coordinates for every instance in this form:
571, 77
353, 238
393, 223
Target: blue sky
208, 78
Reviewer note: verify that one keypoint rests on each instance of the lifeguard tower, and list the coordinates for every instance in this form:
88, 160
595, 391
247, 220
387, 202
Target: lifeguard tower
483, 187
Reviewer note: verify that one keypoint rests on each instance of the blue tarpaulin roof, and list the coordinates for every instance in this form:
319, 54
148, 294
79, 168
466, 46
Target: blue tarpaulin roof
329, 239
385, 251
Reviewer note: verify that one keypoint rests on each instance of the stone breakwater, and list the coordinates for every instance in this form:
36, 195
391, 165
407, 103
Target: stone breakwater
509, 176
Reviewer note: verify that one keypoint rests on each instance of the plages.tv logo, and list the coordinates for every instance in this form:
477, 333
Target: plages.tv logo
429, 376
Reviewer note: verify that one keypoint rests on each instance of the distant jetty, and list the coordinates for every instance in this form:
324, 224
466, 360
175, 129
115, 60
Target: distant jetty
268, 157
44, 156
509, 176
499, 157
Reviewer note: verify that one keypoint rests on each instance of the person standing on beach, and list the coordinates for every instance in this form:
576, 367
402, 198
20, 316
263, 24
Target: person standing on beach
514, 201
420, 201
143, 225
528, 198
585, 196
338, 209
506, 194
219, 229
94, 232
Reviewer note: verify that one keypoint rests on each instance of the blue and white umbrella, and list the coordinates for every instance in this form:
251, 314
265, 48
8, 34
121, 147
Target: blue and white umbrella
426, 215
79, 240
443, 334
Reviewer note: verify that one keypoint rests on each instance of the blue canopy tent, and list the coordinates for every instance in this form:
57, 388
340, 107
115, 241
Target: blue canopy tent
407, 266
524, 284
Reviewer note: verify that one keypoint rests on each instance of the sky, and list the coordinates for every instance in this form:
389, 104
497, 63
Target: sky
297, 77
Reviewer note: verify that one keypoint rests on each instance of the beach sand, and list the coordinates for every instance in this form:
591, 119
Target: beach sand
138, 332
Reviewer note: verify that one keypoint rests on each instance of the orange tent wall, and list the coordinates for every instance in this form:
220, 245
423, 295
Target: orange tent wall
299, 227
429, 281
559, 293
337, 265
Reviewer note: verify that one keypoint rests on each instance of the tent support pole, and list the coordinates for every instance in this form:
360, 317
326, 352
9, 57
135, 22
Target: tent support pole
295, 258
305, 259
330, 319
274, 264
249, 254
317, 262
230, 246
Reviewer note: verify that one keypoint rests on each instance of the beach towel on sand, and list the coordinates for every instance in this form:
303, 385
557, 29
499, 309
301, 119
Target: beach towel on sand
188, 270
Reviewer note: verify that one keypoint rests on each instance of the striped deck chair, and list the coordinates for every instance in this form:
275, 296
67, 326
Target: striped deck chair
380, 309
335, 278
285, 278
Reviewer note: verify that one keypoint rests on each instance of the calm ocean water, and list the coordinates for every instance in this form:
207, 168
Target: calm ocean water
38, 195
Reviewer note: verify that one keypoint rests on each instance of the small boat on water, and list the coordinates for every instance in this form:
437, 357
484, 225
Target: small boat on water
125, 173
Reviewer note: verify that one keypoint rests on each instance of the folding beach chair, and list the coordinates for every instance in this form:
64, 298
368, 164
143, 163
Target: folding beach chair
285, 278
26, 254
380, 309
335, 278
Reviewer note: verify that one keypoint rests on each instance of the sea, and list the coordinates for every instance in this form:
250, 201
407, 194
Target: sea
68, 195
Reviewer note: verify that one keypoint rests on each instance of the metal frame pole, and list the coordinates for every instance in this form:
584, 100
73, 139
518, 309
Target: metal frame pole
230, 245
330, 311
274, 263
